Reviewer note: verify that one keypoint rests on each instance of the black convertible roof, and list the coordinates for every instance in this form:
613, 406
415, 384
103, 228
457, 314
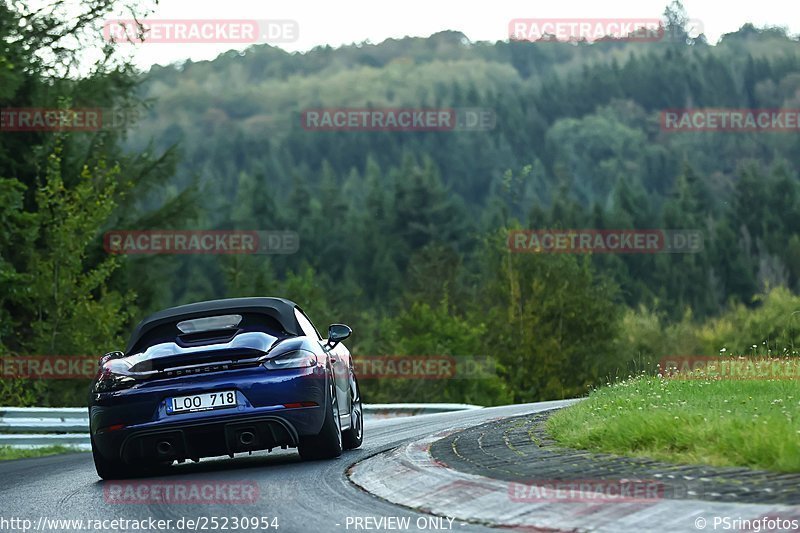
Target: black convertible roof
278, 308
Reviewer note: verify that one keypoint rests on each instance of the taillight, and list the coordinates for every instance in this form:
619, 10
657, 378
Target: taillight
111, 378
295, 359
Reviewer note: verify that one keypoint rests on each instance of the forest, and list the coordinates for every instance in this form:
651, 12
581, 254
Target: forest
403, 235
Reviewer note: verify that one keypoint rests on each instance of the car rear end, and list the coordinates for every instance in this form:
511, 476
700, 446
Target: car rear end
208, 393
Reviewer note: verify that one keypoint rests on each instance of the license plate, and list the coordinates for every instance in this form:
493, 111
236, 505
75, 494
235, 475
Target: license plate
201, 402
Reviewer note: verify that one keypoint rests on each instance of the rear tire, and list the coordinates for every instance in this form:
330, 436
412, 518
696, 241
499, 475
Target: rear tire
327, 444
353, 437
109, 469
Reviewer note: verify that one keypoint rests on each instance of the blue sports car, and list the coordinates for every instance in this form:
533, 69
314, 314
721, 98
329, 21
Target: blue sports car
224, 377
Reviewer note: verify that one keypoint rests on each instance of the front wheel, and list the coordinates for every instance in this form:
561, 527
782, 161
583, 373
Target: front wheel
327, 444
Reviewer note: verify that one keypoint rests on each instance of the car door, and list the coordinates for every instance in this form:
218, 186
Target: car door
340, 361
342, 371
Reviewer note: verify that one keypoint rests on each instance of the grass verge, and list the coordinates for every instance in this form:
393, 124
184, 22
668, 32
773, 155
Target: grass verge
9, 452
749, 423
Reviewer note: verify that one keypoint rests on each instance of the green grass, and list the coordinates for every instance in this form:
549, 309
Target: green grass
8, 452
750, 423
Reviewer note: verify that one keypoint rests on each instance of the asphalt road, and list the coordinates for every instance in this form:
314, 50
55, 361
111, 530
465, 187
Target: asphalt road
303, 496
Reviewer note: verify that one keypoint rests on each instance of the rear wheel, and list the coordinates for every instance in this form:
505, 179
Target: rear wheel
353, 437
109, 469
327, 444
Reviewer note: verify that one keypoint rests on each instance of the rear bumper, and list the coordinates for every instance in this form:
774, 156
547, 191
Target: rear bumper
207, 439
133, 425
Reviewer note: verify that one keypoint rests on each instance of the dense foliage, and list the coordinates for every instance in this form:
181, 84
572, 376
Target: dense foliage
402, 234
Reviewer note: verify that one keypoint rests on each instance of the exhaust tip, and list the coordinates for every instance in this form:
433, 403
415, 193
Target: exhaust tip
164, 447
246, 438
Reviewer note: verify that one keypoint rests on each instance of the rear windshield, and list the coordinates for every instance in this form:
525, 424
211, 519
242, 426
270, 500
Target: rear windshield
170, 333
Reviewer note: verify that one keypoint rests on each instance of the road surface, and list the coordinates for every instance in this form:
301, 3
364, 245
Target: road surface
302, 496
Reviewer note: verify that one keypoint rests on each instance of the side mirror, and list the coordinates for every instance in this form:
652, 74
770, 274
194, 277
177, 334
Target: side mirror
110, 355
337, 333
